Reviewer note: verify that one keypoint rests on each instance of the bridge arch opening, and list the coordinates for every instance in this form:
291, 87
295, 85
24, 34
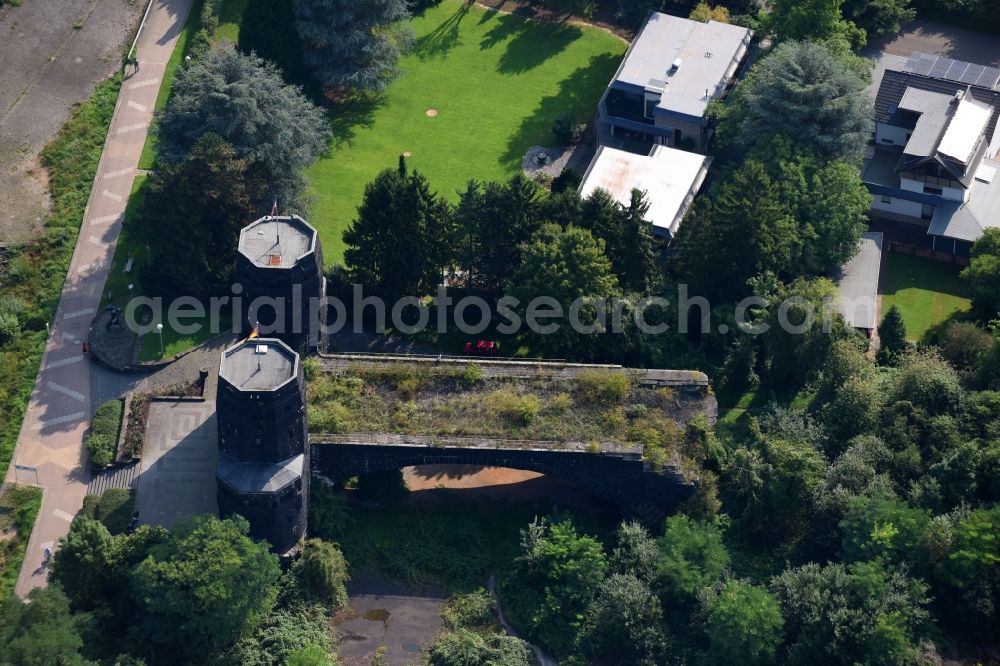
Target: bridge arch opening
501, 484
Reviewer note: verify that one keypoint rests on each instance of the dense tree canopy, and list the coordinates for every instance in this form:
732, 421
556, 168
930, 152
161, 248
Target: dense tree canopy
983, 275
41, 630
802, 91
200, 203
557, 575
850, 615
744, 624
400, 242
878, 17
353, 45
209, 583
243, 99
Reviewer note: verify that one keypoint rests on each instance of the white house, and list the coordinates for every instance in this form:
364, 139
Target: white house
934, 162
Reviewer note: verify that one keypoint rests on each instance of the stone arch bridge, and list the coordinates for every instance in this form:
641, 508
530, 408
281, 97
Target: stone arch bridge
617, 474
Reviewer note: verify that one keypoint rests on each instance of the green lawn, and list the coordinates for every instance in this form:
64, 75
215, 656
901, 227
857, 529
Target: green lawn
496, 81
230, 15
927, 293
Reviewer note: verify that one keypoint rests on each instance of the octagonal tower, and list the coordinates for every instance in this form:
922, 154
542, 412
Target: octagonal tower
280, 257
263, 470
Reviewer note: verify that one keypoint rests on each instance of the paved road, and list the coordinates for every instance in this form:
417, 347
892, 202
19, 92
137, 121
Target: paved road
58, 414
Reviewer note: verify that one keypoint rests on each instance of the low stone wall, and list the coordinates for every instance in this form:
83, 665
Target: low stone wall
517, 368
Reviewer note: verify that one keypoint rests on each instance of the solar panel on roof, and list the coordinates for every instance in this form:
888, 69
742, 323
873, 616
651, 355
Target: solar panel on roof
956, 71
990, 78
940, 68
919, 63
972, 74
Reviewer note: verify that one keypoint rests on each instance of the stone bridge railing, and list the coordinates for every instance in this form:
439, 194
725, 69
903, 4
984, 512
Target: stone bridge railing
518, 368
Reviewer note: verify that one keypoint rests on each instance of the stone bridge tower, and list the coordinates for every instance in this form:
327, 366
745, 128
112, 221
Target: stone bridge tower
280, 260
263, 469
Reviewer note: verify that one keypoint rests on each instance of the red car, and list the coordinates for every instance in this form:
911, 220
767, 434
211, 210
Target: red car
482, 348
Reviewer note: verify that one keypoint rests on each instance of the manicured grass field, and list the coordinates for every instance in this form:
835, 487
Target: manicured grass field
927, 293
496, 81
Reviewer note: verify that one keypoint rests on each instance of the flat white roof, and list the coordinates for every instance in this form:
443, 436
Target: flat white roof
966, 126
706, 52
667, 176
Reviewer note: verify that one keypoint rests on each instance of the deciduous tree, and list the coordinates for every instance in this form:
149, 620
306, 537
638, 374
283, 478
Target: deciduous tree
205, 587
983, 274
744, 624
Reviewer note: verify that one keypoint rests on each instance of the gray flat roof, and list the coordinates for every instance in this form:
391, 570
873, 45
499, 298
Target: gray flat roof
261, 364
252, 477
967, 221
935, 109
857, 283
277, 242
706, 50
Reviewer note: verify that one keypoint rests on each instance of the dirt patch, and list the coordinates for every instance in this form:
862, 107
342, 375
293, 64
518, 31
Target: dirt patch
53, 55
432, 113
552, 160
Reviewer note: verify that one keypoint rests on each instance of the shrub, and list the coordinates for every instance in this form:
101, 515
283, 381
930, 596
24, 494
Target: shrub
114, 509
566, 130
11, 313
963, 343
560, 402
473, 374
322, 573
102, 450
602, 387
102, 442
310, 369
473, 610
568, 179
327, 417
463, 647
513, 406
9, 326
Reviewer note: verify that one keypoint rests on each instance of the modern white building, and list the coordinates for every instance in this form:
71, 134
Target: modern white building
672, 70
934, 162
670, 179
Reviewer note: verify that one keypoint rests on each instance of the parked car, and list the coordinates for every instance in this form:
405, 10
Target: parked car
482, 348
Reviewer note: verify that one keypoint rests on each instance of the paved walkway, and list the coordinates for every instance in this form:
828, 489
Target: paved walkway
51, 438
178, 463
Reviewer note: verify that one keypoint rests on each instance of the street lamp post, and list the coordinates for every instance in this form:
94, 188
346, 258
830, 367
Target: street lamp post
159, 329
